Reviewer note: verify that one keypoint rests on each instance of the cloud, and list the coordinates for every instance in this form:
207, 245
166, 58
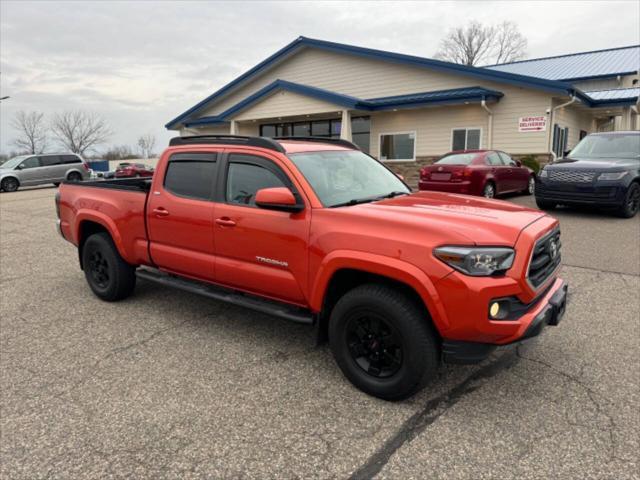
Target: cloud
142, 63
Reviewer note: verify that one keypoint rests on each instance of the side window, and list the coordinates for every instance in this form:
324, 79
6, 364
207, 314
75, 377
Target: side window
191, 175
31, 162
245, 179
507, 160
70, 159
494, 160
49, 160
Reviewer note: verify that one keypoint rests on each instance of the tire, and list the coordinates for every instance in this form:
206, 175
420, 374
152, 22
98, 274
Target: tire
489, 190
10, 184
631, 204
531, 186
383, 342
108, 275
74, 177
545, 205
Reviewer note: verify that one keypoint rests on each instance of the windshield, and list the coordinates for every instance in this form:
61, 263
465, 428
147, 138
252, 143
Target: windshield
14, 162
347, 177
607, 146
457, 159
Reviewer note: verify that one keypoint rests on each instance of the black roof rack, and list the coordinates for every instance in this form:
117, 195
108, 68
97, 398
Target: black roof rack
337, 141
261, 142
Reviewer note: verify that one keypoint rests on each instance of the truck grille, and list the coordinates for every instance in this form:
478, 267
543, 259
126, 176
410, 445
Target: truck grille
572, 176
545, 258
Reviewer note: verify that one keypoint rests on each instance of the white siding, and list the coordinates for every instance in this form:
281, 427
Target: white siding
576, 119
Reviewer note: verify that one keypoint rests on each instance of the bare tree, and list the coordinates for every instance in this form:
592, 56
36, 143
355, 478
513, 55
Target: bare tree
32, 131
476, 44
147, 143
509, 43
79, 131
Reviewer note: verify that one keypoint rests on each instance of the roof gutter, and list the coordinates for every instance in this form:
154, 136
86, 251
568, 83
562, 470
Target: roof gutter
483, 104
551, 115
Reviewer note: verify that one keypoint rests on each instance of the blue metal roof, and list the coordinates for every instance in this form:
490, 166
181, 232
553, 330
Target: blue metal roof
578, 66
615, 97
421, 62
439, 97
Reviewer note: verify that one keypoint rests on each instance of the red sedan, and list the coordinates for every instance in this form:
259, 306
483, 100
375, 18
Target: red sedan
127, 170
478, 172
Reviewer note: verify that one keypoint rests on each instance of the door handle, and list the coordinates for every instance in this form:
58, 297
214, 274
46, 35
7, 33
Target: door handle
161, 212
225, 222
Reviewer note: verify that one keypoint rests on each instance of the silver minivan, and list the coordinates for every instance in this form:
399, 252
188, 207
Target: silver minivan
27, 170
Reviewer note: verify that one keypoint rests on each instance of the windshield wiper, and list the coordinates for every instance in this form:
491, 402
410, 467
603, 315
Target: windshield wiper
356, 201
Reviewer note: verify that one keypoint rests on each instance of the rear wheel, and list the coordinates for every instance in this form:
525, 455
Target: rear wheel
108, 275
383, 342
631, 204
489, 190
545, 205
74, 177
10, 184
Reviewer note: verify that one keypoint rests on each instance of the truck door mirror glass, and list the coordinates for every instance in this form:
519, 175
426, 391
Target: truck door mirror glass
278, 198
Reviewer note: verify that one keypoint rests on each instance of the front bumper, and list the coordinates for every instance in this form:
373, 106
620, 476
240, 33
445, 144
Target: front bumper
602, 193
549, 310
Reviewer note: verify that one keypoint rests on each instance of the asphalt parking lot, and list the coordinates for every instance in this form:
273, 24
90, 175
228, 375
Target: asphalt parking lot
170, 385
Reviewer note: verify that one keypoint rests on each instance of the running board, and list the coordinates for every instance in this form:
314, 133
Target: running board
270, 307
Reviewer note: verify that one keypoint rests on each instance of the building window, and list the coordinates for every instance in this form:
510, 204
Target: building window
466, 138
360, 130
560, 140
398, 146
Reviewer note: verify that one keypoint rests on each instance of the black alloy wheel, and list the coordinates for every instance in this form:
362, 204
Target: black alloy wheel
374, 345
74, 177
99, 269
631, 203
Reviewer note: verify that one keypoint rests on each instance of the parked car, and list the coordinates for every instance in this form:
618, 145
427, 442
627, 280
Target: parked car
317, 232
27, 170
128, 170
478, 172
603, 170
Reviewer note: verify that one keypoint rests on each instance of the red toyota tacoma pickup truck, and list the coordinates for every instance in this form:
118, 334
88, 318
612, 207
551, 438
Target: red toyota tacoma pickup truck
316, 231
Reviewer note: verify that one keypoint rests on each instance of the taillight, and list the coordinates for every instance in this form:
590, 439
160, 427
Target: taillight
86, 166
424, 174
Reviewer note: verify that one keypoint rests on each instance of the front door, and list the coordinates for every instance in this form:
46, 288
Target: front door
180, 214
258, 250
30, 171
499, 172
518, 177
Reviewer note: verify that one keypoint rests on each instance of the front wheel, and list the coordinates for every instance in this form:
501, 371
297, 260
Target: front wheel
531, 186
489, 190
631, 204
383, 342
9, 184
545, 205
108, 275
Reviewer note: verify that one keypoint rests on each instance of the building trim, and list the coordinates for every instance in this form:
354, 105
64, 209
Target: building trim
421, 62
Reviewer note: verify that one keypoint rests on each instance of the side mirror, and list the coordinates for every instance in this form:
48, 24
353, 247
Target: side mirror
518, 163
19, 167
278, 198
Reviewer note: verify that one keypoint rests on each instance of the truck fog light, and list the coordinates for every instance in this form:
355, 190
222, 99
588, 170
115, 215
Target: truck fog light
499, 310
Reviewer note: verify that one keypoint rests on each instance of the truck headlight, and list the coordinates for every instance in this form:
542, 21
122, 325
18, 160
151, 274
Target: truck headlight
611, 176
477, 261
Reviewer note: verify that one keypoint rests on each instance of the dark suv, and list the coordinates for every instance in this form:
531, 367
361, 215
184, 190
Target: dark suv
603, 170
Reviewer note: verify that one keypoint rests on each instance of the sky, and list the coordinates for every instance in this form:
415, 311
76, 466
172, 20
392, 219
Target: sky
140, 64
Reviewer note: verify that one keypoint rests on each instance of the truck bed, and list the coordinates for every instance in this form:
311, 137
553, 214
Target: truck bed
139, 184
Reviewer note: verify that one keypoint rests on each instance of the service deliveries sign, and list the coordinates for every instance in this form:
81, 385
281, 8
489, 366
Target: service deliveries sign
532, 124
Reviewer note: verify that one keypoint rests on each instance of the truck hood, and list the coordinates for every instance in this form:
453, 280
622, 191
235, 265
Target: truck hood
461, 218
576, 163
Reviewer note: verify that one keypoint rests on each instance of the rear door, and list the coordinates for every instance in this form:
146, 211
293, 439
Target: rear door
50, 166
180, 213
258, 250
498, 171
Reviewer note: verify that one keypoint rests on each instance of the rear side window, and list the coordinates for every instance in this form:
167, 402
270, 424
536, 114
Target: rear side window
493, 159
50, 160
69, 159
191, 175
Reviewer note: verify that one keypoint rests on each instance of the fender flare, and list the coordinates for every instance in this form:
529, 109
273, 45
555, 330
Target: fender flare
96, 217
389, 267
